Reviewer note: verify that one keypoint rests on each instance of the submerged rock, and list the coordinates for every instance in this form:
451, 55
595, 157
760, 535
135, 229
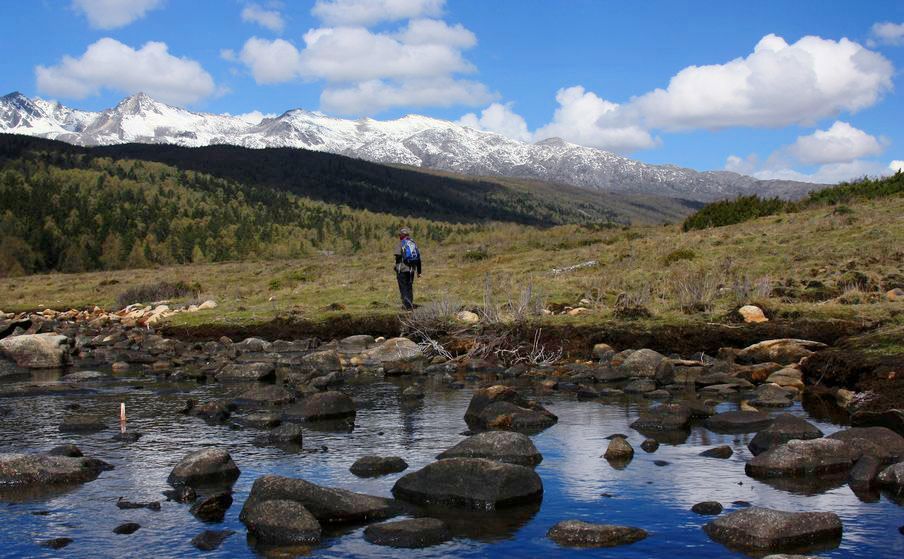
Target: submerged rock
209, 540
37, 351
57, 543
129, 505
474, 483
82, 424
212, 508
738, 422
68, 449
206, 466
43, 469
784, 428
761, 530
411, 534
576, 533
502, 446
501, 407
281, 522
374, 466
798, 458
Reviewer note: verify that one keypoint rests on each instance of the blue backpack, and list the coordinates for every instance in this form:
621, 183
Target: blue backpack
410, 253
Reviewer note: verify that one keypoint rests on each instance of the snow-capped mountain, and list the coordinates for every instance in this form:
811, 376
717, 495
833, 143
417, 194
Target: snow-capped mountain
411, 140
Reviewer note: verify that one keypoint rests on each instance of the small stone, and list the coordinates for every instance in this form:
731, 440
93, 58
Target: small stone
707, 507
723, 452
619, 449
127, 505
661, 463
752, 314
127, 437
576, 533
649, 445
209, 540
127, 528
374, 466
57, 543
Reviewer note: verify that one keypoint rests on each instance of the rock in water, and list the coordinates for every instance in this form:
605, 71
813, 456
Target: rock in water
411, 534
209, 540
69, 450
738, 422
42, 469
328, 505
374, 466
37, 351
576, 533
502, 408
892, 478
285, 434
263, 396
206, 466
784, 428
328, 405
892, 419
722, 452
212, 508
803, 458
865, 472
502, 446
619, 449
82, 424
474, 483
649, 445
281, 522
881, 442
762, 530
642, 363
57, 543
127, 528
664, 417
242, 372
707, 508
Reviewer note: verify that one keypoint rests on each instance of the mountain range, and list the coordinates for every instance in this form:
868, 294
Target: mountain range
413, 140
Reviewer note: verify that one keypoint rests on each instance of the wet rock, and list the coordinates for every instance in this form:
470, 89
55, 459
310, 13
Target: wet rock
285, 434
328, 405
664, 417
892, 478
660, 394
212, 412
865, 472
783, 351
263, 395
41, 469
707, 508
127, 528
619, 449
642, 363
410, 534
640, 386
182, 495
738, 422
576, 533
69, 450
396, 355
324, 361
251, 345
129, 505
281, 522
755, 374
260, 420
661, 463
212, 508
375, 466
85, 376
37, 351
585, 392
355, 344
209, 465
891, 419
82, 424
57, 543
784, 428
722, 452
883, 443
127, 436
502, 446
209, 540
761, 530
413, 393
772, 396
328, 505
796, 458
474, 483
649, 445
246, 372
501, 407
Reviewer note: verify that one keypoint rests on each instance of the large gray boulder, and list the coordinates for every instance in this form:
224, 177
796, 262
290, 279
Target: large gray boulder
503, 408
37, 351
411, 534
474, 483
664, 417
43, 469
893, 419
772, 396
785, 351
502, 446
881, 442
798, 458
281, 522
328, 505
784, 428
762, 530
203, 467
395, 355
642, 363
576, 533
328, 405
738, 422
323, 361
892, 478
375, 466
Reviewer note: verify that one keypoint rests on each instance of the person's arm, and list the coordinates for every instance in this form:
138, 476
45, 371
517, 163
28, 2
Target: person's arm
398, 257
418, 266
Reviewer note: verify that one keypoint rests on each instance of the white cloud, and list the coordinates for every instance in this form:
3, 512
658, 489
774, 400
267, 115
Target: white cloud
109, 14
436, 32
377, 95
369, 12
112, 65
582, 118
896, 165
830, 173
776, 85
253, 117
501, 119
743, 165
271, 19
840, 143
271, 61
228, 54
887, 33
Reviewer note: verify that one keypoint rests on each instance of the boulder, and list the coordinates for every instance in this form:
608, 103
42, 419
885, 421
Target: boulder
37, 351
865, 472
602, 352
738, 422
784, 428
640, 386
664, 417
474, 483
577, 533
285, 434
353, 345
328, 405
68, 449
328, 505
892, 478
209, 540
796, 458
212, 508
390, 351
43, 469
892, 419
707, 508
721, 452
264, 395
642, 363
375, 466
281, 522
324, 361
501, 407
260, 419
783, 351
761, 530
202, 467
411, 534
881, 442
244, 372
619, 449
772, 396
252, 345
502, 446
752, 314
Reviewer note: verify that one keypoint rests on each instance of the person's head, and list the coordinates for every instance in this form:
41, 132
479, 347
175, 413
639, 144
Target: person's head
404, 233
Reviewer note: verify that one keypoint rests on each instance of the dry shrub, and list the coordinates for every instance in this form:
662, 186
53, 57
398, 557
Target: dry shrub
159, 291
746, 290
695, 290
633, 303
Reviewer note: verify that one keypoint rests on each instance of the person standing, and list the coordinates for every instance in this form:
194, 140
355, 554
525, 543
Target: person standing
407, 263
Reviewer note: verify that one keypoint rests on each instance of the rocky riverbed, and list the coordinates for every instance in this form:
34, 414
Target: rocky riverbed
207, 422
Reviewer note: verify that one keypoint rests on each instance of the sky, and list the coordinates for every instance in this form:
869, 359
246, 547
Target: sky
804, 90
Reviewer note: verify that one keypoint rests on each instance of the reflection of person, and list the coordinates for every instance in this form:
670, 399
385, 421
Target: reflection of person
407, 263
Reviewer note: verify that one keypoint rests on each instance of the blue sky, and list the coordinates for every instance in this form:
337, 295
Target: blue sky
803, 89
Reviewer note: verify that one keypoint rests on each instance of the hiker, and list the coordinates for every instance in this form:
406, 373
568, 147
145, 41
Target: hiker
407, 263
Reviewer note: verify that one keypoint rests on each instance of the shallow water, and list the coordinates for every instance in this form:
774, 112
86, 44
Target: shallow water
578, 483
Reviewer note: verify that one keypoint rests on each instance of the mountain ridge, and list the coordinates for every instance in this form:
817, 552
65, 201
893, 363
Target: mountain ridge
413, 140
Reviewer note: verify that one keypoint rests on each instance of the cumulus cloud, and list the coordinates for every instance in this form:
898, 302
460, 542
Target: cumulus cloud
369, 12
110, 14
830, 173
271, 19
253, 117
896, 165
374, 96
776, 85
109, 64
501, 119
840, 143
887, 33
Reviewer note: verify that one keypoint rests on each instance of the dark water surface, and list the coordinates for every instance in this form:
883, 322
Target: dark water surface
578, 483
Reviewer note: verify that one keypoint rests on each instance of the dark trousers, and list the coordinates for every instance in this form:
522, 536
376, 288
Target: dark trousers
406, 288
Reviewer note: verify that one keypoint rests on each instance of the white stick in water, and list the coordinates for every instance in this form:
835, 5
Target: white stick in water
122, 416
